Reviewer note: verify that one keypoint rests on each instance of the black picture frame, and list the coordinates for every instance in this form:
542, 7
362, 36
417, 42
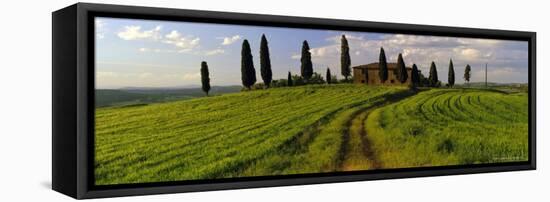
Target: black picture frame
73, 99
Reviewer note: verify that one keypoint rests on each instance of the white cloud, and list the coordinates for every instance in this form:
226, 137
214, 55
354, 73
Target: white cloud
173, 35
157, 50
469, 53
214, 52
99, 24
183, 43
320, 52
324, 51
135, 33
329, 55
100, 28
349, 37
230, 40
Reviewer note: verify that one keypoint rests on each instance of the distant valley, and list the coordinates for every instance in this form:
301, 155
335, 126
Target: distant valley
147, 95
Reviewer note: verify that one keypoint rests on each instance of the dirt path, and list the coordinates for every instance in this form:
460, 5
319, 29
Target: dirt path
357, 151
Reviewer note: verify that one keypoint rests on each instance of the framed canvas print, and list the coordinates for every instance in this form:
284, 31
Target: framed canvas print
155, 100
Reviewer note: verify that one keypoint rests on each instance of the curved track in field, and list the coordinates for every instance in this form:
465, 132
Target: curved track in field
451, 127
223, 136
299, 130
356, 150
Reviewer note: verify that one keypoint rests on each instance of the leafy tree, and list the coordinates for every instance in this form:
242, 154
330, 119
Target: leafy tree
289, 80
333, 79
467, 73
248, 73
383, 65
257, 86
451, 77
306, 67
265, 62
298, 80
345, 60
316, 78
401, 70
205, 77
415, 76
329, 77
277, 83
433, 75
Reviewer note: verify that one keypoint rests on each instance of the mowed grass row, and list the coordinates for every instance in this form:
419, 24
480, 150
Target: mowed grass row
207, 138
318, 149
333, 144
451, 127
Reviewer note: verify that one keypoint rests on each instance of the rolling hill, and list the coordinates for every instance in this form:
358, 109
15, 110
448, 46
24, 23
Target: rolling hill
307, 129
451, 127
215, 137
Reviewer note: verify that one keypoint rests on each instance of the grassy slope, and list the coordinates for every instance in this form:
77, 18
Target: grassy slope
223, 136
450, 127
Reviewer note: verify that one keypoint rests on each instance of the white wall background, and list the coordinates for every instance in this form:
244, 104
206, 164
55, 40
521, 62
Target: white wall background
25, 103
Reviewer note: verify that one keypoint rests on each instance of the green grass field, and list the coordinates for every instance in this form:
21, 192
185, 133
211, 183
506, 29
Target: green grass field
228, 135
307, 129
451, 127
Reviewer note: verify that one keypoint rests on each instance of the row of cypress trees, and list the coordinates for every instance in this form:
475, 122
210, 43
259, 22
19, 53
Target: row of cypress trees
248, 72
401, 70
402, 76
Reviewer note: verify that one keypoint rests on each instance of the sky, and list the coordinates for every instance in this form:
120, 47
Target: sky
152, 53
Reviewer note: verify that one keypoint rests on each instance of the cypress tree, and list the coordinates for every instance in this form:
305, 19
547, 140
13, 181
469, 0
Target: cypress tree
415, 77
289, 79
306, 67
345, 60
401, 70
451, 78
248, 73
265, 62
205, 77
467, 73
328, 76
433, 75
383, 65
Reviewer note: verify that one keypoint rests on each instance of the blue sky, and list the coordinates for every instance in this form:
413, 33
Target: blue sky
148, 53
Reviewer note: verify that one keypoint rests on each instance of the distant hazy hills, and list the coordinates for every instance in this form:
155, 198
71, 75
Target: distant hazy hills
146, 95
481, 84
